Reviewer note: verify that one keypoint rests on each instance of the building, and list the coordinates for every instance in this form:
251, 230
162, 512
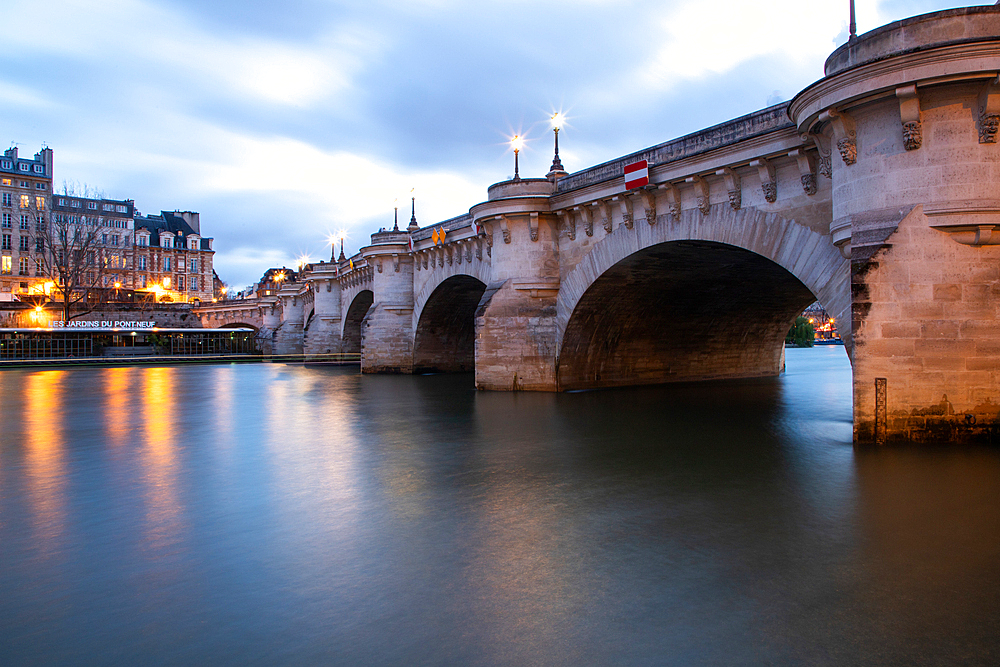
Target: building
106, 225
25, 186
172, 257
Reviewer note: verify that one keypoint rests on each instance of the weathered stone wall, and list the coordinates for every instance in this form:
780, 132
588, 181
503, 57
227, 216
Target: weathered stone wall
165, 315
515, 340
387, 331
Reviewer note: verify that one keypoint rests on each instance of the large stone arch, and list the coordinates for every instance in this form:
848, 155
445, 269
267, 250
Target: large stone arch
239, 325
351, 335
435, 278
614, 308
445, 334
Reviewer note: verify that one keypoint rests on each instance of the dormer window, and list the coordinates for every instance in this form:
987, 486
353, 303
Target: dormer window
92, 205
39, 169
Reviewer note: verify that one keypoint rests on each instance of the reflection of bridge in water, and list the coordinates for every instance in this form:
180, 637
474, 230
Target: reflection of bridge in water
873, 191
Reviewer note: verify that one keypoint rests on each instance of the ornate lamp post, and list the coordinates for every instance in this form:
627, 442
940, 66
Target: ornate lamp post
517, 143
556, 171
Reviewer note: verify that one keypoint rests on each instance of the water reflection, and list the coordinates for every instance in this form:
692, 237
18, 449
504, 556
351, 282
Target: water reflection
158, 455
45, 458
272, 514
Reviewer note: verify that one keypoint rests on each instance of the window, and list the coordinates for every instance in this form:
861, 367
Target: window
194, 244
7, 181
40, 186
24, 221
166, 262
40, 223
194, 265
6, 220
75, 204
104, 239
180, 282
6, 164
25, 201
39, 244
142, 263
143, 241
121, 209
142, 279
108, 207
6, 199
92, 205
22, 166
23, 247
38, 267
25, 184
114, 240
40, 203
22, 267
180, 263
6, 265
39, 169
62, 202
6, 241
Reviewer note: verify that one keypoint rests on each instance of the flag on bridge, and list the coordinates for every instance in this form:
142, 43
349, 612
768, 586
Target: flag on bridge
351, 262
409, 244
636, 174
477, 228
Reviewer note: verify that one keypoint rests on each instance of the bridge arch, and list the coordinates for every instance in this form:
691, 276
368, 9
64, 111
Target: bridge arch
445, 331
706, 296
353, 320
240, 325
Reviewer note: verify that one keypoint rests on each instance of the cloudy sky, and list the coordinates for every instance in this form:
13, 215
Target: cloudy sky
281, 122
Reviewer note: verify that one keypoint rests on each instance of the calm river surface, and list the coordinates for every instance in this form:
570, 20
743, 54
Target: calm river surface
268, 514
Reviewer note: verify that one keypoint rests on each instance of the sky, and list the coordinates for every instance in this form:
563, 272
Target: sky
284, 122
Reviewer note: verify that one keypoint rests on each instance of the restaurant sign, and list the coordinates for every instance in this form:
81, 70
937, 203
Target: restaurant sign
102, 324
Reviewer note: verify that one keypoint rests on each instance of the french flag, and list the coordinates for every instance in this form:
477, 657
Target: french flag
636, 175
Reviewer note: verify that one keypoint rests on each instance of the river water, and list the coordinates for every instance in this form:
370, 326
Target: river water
268, 514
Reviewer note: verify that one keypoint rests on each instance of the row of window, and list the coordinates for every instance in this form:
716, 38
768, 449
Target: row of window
92, 205
23, 166
25, 201
116, 261
25, 184
6, 220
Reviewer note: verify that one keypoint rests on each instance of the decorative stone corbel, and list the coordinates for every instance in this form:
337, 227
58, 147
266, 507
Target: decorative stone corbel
567, 220
459, 251
807, 173
417, 261
989, 112
533, 226
378, 265
823, 150
605, 211
587, 219
768, 179
479, 247
627, 213
701, 192
425, 259
843, 132
973, 222
468, 253
395, 262
648, 195
504, 228
909, 115
733, 186
673, 200
441, 255
329, 285
449, 254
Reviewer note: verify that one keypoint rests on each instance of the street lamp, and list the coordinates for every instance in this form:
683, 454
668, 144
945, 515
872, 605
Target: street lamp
557, 121
413, 226
517, 143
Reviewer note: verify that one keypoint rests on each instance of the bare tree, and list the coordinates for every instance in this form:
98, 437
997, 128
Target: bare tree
70, 253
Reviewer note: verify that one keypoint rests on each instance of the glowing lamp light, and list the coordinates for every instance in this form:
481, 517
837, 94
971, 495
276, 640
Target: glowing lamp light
557, 121
166, 283
118, 285
517, 143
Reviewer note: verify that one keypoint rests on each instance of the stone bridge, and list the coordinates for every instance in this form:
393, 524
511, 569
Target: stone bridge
875, 191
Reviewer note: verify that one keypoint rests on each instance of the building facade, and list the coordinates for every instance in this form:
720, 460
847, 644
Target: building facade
170, 256
25, 189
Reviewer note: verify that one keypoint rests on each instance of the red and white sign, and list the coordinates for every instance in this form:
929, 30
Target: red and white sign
636, 175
